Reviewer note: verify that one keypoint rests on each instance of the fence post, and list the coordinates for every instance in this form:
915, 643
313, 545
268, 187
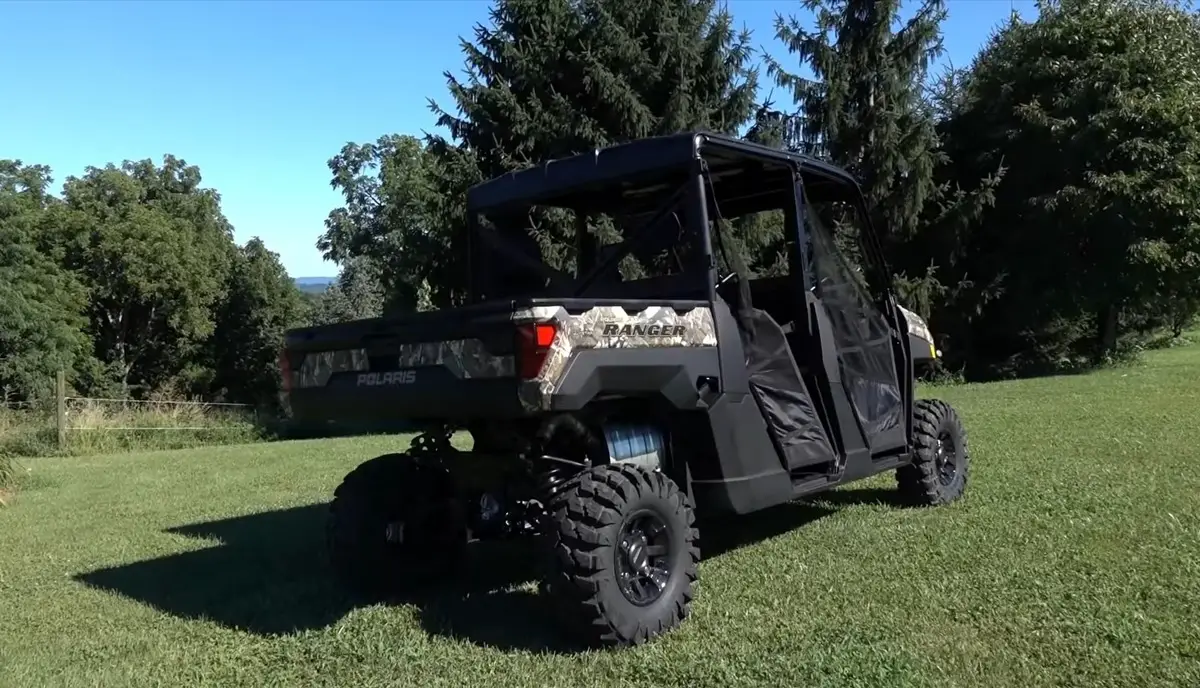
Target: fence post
60, 394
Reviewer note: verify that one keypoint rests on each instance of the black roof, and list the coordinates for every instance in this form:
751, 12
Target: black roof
643, 158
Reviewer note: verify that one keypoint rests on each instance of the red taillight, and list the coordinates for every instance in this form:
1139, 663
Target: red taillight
285, 370
533, 345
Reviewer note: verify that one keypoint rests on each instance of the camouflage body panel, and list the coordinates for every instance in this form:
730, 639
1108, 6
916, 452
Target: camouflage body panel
655, 326
916, 325
919, 329
317, 368
464, 358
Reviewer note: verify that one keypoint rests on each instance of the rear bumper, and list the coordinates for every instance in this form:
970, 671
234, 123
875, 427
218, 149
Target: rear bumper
344, 403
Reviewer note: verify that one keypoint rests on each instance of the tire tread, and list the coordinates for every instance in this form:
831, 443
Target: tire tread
918, 481
583, 514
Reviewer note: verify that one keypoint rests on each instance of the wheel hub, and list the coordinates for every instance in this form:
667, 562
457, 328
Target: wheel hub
946, 460
635, 553
643, 568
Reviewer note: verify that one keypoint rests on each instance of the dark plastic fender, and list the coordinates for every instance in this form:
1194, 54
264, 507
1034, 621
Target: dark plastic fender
749, 474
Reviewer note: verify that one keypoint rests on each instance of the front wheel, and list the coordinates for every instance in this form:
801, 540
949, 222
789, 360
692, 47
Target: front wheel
626, 554
939, 471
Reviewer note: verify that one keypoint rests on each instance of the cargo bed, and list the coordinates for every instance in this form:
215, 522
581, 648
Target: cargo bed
491, 361
438, 364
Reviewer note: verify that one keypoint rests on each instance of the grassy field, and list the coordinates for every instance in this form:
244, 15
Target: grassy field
1075, 561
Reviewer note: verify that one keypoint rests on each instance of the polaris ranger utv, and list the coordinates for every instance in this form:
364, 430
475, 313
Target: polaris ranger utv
654, 378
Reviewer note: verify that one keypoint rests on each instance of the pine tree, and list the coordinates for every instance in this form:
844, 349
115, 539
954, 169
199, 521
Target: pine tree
873, 109
865, 110
553, 78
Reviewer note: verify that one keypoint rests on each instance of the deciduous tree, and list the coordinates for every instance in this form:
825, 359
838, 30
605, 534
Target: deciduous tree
260, 304
1092, 107
41, 305
153, 250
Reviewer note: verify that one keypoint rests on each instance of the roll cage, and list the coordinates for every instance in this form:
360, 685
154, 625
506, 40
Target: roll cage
676, 196
700, 176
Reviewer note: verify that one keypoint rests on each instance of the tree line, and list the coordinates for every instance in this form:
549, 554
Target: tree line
1041, 206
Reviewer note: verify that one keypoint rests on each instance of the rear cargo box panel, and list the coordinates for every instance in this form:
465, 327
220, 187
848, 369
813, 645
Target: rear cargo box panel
378, 373
464, 359
612, 327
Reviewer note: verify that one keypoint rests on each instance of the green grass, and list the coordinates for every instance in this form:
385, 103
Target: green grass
1074, 561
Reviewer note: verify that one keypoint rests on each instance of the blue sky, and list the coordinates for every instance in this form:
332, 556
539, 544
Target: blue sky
260, 95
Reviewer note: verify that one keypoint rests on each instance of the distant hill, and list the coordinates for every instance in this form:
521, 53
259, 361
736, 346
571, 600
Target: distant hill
314, 285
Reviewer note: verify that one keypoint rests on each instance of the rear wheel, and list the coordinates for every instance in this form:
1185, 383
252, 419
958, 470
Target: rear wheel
393, 521
626, 554
939, 471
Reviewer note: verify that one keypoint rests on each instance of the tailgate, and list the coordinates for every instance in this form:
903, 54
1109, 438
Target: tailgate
384, 372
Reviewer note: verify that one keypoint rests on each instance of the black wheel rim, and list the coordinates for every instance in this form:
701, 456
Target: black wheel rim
643, 558
946, 461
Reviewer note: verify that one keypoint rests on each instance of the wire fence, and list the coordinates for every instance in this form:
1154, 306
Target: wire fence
100, 421
142, 415
19, 405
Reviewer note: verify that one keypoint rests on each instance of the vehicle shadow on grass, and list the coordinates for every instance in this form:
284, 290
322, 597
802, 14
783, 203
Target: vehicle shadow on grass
267, 575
